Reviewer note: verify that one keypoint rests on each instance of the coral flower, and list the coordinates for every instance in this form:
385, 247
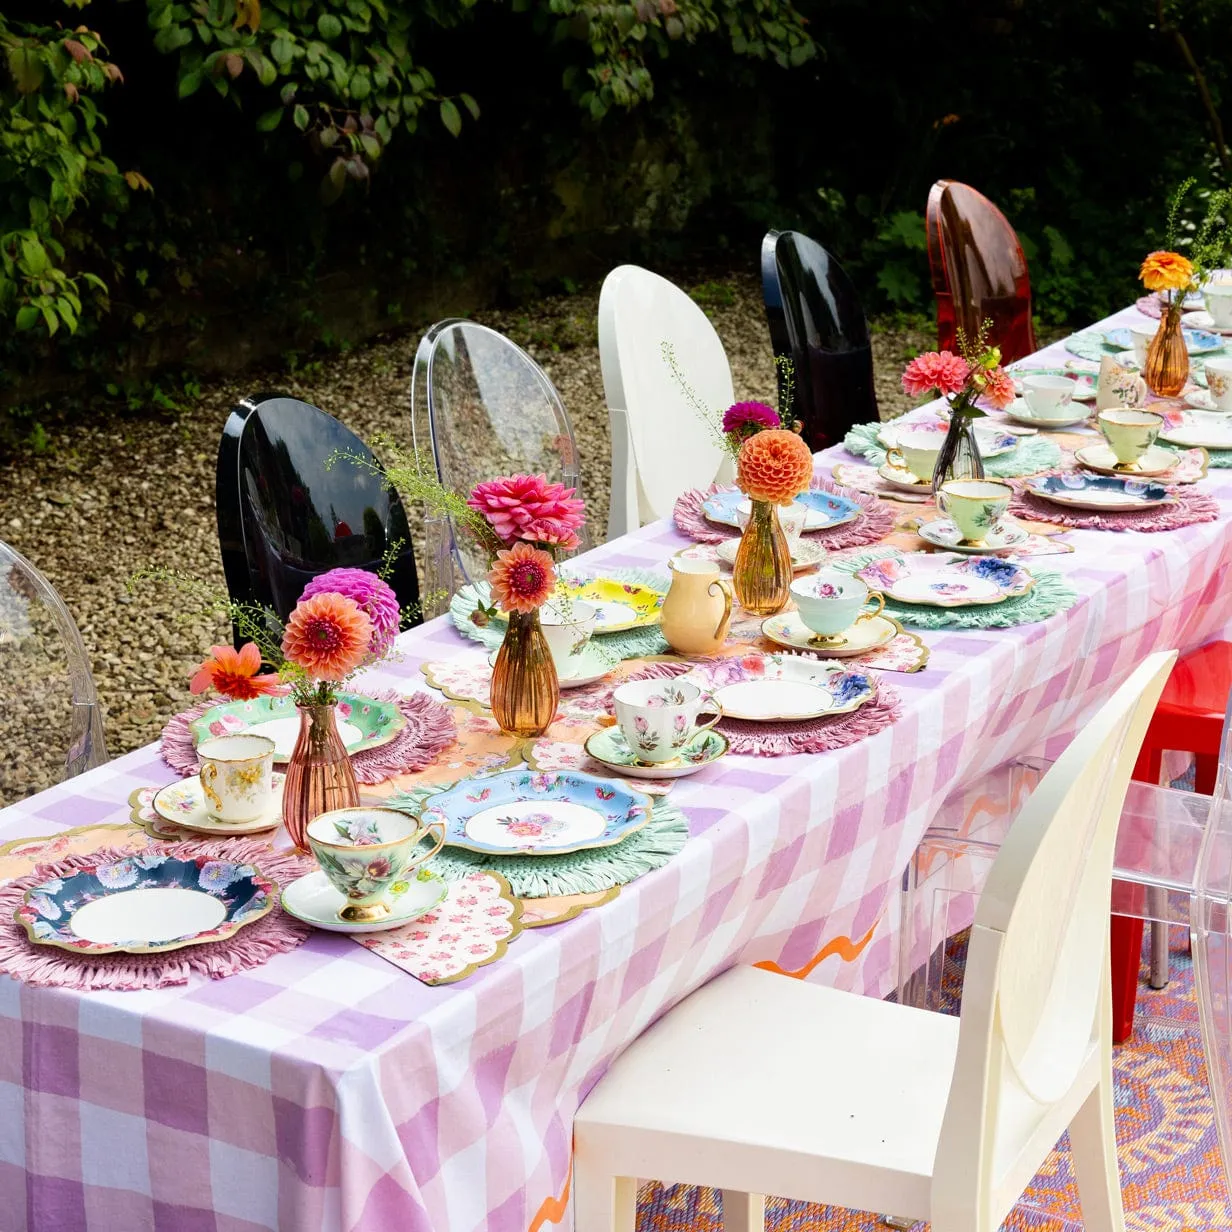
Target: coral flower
774, 466
940, 370
374, 597
999, 388
747, 418
1166, 271
522, 578
530, 508
233, 673
328, 635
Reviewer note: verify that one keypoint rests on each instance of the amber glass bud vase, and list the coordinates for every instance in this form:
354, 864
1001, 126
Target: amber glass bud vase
525, 690
762, 573
319, 774
1167, 360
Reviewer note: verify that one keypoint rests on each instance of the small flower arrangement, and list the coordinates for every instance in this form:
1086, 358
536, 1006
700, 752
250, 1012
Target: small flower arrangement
964, 378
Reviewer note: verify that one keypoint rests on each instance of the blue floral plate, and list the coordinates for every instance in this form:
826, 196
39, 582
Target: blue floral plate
783, 688
1197, 341
1106, 493
146, 904
530, 813
824, 509
946, 580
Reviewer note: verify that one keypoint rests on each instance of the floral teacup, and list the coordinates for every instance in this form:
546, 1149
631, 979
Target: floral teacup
237, 776
659, 717
366, 852
831, 602
916, 451
1129, 433
975, 505
1219, 382
568, 627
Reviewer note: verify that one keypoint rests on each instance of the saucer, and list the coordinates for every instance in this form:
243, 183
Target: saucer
901, 477
788, 629
942, 533
593, 664
183, 804
1127, 359
314, 900
1201, 400
1204, 320
1197, 341
1019, 410
609, 748
1101, 459
805, 554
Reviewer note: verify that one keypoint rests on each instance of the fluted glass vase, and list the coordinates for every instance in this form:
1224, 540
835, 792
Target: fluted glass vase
761, 576
319, 774
959, 456
1167, 360
525, 689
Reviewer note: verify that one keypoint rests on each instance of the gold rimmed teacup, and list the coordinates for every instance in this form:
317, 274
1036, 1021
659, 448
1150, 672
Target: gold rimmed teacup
975, 506
1129, 434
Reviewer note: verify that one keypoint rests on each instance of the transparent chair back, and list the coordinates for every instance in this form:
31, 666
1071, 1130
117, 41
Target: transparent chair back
482, 408
51, 726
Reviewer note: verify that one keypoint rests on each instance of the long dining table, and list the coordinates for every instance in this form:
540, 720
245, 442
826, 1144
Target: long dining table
329, 1091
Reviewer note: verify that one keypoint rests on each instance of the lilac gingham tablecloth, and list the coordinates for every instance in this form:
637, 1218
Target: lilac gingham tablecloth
327, 1091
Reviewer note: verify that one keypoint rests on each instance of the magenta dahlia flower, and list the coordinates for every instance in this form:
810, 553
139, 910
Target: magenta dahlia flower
529, 508
940, 370
744, 419
370, 594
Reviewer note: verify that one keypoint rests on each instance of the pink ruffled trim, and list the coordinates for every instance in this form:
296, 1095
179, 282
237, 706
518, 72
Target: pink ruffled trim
253, 945
1191, 507
429, 729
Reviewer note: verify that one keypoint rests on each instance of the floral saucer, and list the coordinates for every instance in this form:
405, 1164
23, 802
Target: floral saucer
609, 747
901, 477
779, 688
593, 664
183, 804
1201, 400
823, 509
1105, 493
947, 580
618, 605
363, 722
788, 629
1197, 341
1197, 430
805, 553
146, 903
1020, 410
524, 813
1100, 459
942, 533
314, 900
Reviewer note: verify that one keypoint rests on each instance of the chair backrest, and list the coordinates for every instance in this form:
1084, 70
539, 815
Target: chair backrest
660, 444
484, 408
817, 322
285, 518
1036, 994
979, 271
51, 726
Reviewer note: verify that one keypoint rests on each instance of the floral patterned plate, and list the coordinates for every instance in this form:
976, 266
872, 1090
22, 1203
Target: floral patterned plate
823, 510
947, 580
183, 804
782, 688
609, 747
524, 813
1197, 430
315, 901
147, 903
1197, 341
363, 722
619, 605
1106, 493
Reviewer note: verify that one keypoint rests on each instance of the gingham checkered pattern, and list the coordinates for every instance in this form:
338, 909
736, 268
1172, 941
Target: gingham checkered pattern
329, 1091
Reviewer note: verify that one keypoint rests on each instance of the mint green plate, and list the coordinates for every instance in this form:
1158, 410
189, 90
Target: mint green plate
363, 722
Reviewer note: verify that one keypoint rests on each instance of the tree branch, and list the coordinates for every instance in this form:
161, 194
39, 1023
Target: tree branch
1166, 27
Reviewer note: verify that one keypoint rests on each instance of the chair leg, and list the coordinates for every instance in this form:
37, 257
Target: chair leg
1092, 1140
603, 1203
1126, 957
743, 1212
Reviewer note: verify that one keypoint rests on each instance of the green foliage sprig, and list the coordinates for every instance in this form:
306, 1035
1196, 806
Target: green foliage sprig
1209, 246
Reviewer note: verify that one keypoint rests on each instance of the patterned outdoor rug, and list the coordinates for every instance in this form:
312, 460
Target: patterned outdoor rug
1171, 1172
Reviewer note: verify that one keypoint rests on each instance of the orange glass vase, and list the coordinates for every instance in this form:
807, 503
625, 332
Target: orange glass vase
525, 688
319, 774
1167, 360
762, 574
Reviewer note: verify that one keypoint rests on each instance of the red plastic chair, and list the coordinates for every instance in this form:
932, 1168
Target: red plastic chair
1189, 718
979, 271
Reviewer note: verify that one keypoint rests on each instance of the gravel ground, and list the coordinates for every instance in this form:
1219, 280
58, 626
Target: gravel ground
121, 492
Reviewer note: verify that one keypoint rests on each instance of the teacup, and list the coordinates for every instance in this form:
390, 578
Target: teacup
1219, 382
659, 717
975, 505
1218, 299
1129, 433
791, 518
1142, 337
237, 776
365, 852
568, 627
1048, 396
917, 452
831, 602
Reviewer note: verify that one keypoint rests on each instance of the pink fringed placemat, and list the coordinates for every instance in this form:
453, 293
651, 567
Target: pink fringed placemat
872, 526
429, 729
1191, 507
253, 945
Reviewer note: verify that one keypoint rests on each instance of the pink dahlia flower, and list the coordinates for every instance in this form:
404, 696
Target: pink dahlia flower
999, 388
940, 370
746, 418
372, 596
529, 508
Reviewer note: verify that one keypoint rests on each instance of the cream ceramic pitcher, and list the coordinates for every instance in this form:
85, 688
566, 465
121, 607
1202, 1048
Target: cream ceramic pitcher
697, 609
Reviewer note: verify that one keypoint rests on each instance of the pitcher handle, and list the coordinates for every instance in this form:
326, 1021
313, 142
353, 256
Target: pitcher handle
877, 597
720, 630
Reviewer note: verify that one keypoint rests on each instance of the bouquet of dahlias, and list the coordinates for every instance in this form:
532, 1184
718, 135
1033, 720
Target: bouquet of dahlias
964, 378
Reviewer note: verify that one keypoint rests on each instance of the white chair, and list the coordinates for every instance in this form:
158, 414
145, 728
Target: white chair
762, 1084
661, 445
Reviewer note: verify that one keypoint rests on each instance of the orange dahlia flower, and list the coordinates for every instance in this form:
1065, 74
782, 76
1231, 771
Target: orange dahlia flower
328, 635
233, 673
1166, 271
522, 578
774, 466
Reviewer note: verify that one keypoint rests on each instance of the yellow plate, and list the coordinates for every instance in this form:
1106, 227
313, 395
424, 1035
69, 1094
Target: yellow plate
621, 605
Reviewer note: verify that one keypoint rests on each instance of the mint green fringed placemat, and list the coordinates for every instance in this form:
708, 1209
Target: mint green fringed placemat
627, 644
574, 872
1034, 453
1050, 594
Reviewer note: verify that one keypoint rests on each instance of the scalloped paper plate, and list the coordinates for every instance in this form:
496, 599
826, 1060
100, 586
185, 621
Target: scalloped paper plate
947, 580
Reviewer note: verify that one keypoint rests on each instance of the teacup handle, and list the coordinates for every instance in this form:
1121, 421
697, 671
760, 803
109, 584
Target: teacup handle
942, 503
874, 596
440, 842
894, 456
720, 630
709, 702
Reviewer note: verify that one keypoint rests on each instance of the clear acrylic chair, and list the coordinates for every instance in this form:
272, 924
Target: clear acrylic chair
51, 724
661, 445
481, 407
761, 1084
